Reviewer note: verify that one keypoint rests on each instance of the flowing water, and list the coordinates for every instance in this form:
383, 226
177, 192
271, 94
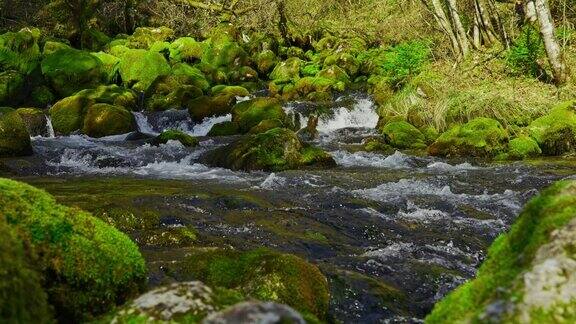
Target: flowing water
393, 233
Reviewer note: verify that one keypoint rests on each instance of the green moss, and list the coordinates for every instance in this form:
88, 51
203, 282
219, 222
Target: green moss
310, 69
500, 276
264, 275
110, 65
139, 68
70, 70
22, 299
14, 137
223, 129
12, 85
275, 150
186, 49
481, 137
205, 106
403, 135
555, 133
250, 113
334, 73
345, 61
175, 135
523, 147
53, 46
86, 265
93, 39
173, 92
105, 120
286, 71
42, 96
193, 76
266, 61
34, 119
145, 37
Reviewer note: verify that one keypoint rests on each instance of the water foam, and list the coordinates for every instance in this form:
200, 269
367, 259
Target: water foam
362, 115
397, 160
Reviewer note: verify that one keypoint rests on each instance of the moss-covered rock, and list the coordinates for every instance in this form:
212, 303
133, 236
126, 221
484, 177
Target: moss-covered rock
145, 37
226, 128
220, 103
403, 135
266, 61
555, 133
248, 312
93, 39
286, 71
12, 85
175, 135
335, 73
139, 68
53, 46
14, 137
528, 274
105, 120
186, 49
87, 266
250, 113
275, 150
263, 274
110, 65
193, 76
42, 96
35, 121
523, 147
70, 70
345, 61
184, 302
481, 137
22, 299
173, 92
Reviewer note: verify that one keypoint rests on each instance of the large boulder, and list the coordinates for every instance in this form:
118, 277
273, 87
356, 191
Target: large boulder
266, 61
250, 113
555, 133
529, 273
104, 120
275, 150
523, 147
219, 103
139, 68
70, 70
481, 137
87, 267
186, 49
14, 137
256, 312
12, 85
145, 37
403, 135
261, 274
35, 120
110, 65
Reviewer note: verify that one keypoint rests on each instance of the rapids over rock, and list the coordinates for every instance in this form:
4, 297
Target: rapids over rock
393, 233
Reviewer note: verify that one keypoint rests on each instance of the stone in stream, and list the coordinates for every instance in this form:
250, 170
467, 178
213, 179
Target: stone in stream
256, 313
556, 132
14, 137
530, 273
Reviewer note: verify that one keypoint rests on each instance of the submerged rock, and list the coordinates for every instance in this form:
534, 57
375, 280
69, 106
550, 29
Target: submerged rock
175, 135
86, 266
556, 132
14, 137
256, 313
529, 274
70, 70
275, 150
480, 137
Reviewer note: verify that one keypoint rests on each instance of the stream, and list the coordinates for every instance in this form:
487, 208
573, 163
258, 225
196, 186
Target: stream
393, 233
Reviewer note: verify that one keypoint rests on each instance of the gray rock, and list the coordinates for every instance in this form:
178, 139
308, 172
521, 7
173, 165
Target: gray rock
255, 313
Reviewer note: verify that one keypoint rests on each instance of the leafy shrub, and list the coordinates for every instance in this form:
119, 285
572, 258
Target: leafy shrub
523, 56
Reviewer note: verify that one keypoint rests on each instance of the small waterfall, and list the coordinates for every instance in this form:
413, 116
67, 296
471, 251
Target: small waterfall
143, 124
204, 127
362, 115
49, 127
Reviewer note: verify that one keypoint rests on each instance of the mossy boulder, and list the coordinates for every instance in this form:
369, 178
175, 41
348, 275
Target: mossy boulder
105, 120
139, 68
286, 71
275, 150
264, 275
14, 137
250, 113
555, 133
42, 96
192, 75
226, 128
175, 135
68, 114
186, 49
172, 92
70, 70
224, 53
403, 135
12, 86
481, 137
345, 61
35, 121
87, 267
145, 37
22, 299
184, 302
110, 65
266, 61
53, 46
528, 274
523, 147
93, 39
335, 73
220, 103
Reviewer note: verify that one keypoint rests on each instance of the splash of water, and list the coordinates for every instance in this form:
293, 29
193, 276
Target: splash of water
49, 128
362, 115
143, 124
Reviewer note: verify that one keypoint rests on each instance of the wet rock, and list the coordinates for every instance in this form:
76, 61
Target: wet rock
14, 137
309, 133
35, 121
555, 133
253, 312
104, 120
87, 266
275, 150
266, 61
186, 49
251, 113
53, 46
175, 135
70, 70
403, 135
481, 137
173, 92
110, 65
529, 274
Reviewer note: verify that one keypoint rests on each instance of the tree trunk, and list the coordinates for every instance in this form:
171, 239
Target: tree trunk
128, 17
553, 50
444, 24
458, 28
